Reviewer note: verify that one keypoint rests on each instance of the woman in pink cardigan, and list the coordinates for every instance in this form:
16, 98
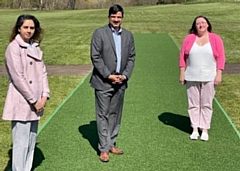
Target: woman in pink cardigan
28, 89
201, 63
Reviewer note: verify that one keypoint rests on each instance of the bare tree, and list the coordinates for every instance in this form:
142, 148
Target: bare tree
19, 4
71, 4
78, 4
41, 4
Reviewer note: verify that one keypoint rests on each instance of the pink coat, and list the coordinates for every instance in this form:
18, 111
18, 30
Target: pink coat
216, 44
27, 81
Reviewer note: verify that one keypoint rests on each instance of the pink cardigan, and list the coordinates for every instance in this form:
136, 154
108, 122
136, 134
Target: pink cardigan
216, 44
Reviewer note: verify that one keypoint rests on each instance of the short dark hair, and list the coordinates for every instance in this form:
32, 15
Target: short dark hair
194, 30
114, 9
38, 34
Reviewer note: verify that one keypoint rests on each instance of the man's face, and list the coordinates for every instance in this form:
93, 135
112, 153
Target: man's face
116, 20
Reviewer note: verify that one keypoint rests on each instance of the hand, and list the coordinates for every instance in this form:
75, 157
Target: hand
182, 76
40, 105
116, 79
218, 79
43, 101
182, 81
122, 78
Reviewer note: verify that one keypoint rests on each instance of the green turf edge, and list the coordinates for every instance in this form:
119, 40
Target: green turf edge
52, 115
218, 103
228, 118
59, 107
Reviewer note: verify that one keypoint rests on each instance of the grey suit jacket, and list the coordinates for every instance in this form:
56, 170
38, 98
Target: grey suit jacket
104, 59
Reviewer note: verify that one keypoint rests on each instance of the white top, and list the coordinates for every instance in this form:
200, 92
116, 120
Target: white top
201, 64
32, 48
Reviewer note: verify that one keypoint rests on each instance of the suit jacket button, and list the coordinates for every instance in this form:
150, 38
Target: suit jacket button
31, 63
30, 82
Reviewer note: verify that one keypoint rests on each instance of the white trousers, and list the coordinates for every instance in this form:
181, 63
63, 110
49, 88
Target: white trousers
24, 139
200, 97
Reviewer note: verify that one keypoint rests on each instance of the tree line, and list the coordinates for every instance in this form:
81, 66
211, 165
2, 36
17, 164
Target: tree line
77, 4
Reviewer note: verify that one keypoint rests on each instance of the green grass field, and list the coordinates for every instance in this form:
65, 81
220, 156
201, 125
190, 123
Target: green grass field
67, 40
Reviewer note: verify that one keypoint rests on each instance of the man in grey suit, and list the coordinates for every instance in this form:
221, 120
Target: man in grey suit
113, 56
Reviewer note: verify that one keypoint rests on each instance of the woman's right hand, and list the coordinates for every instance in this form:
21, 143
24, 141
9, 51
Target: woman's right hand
39, 106
182, 76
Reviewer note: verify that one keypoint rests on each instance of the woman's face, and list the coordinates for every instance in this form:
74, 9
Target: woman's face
201, 25
27, 30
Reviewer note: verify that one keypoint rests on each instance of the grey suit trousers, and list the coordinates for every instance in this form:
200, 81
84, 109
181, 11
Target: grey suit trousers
24, 140
109, 105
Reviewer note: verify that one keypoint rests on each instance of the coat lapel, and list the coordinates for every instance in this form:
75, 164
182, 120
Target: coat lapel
110, 36
31, 51
123, 40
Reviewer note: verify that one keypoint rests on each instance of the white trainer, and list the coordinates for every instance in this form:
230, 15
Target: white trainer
194, 135
204, 136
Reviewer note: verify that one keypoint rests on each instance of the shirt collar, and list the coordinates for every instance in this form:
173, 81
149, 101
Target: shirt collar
113, 30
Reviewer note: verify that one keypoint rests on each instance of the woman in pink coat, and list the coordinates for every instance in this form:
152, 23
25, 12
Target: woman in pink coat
201, 62
28, 89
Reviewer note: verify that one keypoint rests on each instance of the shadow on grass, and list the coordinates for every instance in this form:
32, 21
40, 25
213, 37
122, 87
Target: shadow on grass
38, 157
89, 132
178, 121
37, 160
